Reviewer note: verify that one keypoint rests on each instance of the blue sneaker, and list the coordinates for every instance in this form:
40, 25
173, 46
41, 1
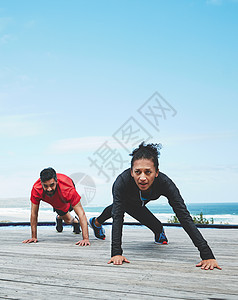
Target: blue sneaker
160, 238
98, 231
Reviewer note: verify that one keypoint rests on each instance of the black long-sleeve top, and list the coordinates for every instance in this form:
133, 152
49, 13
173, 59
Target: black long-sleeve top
126, 193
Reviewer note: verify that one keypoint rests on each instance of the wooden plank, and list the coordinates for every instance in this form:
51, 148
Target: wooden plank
56, 267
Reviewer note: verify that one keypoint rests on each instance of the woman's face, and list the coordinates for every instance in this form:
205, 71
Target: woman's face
144, 173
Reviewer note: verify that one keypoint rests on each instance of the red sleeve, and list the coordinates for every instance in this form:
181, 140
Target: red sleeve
34, 197
74, 197
36, 192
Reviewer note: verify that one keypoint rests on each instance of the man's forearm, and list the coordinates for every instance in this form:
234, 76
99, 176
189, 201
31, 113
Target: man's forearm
84, 227
82, 219
34, 227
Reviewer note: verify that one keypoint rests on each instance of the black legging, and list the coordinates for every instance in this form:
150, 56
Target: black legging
140, 213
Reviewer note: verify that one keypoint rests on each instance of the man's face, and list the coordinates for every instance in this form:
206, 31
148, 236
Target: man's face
144, 173
49, 187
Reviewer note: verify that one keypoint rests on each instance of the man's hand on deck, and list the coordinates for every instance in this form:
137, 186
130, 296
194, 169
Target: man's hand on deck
208, 264
84, 242
118, 260
32, 240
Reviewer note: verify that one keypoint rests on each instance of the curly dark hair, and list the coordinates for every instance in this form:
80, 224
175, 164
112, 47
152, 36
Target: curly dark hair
48, 174
149, 151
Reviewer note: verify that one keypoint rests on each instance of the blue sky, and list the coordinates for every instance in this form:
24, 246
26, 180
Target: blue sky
73, 72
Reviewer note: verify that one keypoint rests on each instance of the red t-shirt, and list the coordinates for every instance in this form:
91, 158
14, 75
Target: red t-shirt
65, 194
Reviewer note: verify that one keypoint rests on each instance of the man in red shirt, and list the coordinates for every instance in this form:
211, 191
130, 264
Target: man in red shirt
59, 191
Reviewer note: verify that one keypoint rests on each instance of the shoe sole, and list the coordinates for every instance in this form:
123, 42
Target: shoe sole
164, 243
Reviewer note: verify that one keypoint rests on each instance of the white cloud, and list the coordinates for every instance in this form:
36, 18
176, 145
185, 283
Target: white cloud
92, 143
173, 140
12, 77
6, 38
19, 126
74, 145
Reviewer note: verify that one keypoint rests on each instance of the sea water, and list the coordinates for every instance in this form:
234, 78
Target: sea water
18, 210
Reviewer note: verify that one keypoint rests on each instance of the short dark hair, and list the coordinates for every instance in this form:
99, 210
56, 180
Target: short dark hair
149, 151
48, 174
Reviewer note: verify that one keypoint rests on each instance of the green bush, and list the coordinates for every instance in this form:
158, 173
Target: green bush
199, 219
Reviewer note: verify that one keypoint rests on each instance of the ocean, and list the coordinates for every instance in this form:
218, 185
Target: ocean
18, 210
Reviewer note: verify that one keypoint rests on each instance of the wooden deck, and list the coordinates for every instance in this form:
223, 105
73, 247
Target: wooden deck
55, 268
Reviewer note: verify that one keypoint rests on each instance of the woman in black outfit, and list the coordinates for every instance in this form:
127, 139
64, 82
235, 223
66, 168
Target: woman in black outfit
132, 190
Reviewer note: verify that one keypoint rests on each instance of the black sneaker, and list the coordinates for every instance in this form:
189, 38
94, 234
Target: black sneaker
98, 231
161, 238
76, 227
59, 224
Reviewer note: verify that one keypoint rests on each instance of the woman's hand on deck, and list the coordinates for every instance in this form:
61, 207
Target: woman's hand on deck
32, 240
208, 264
118, 260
